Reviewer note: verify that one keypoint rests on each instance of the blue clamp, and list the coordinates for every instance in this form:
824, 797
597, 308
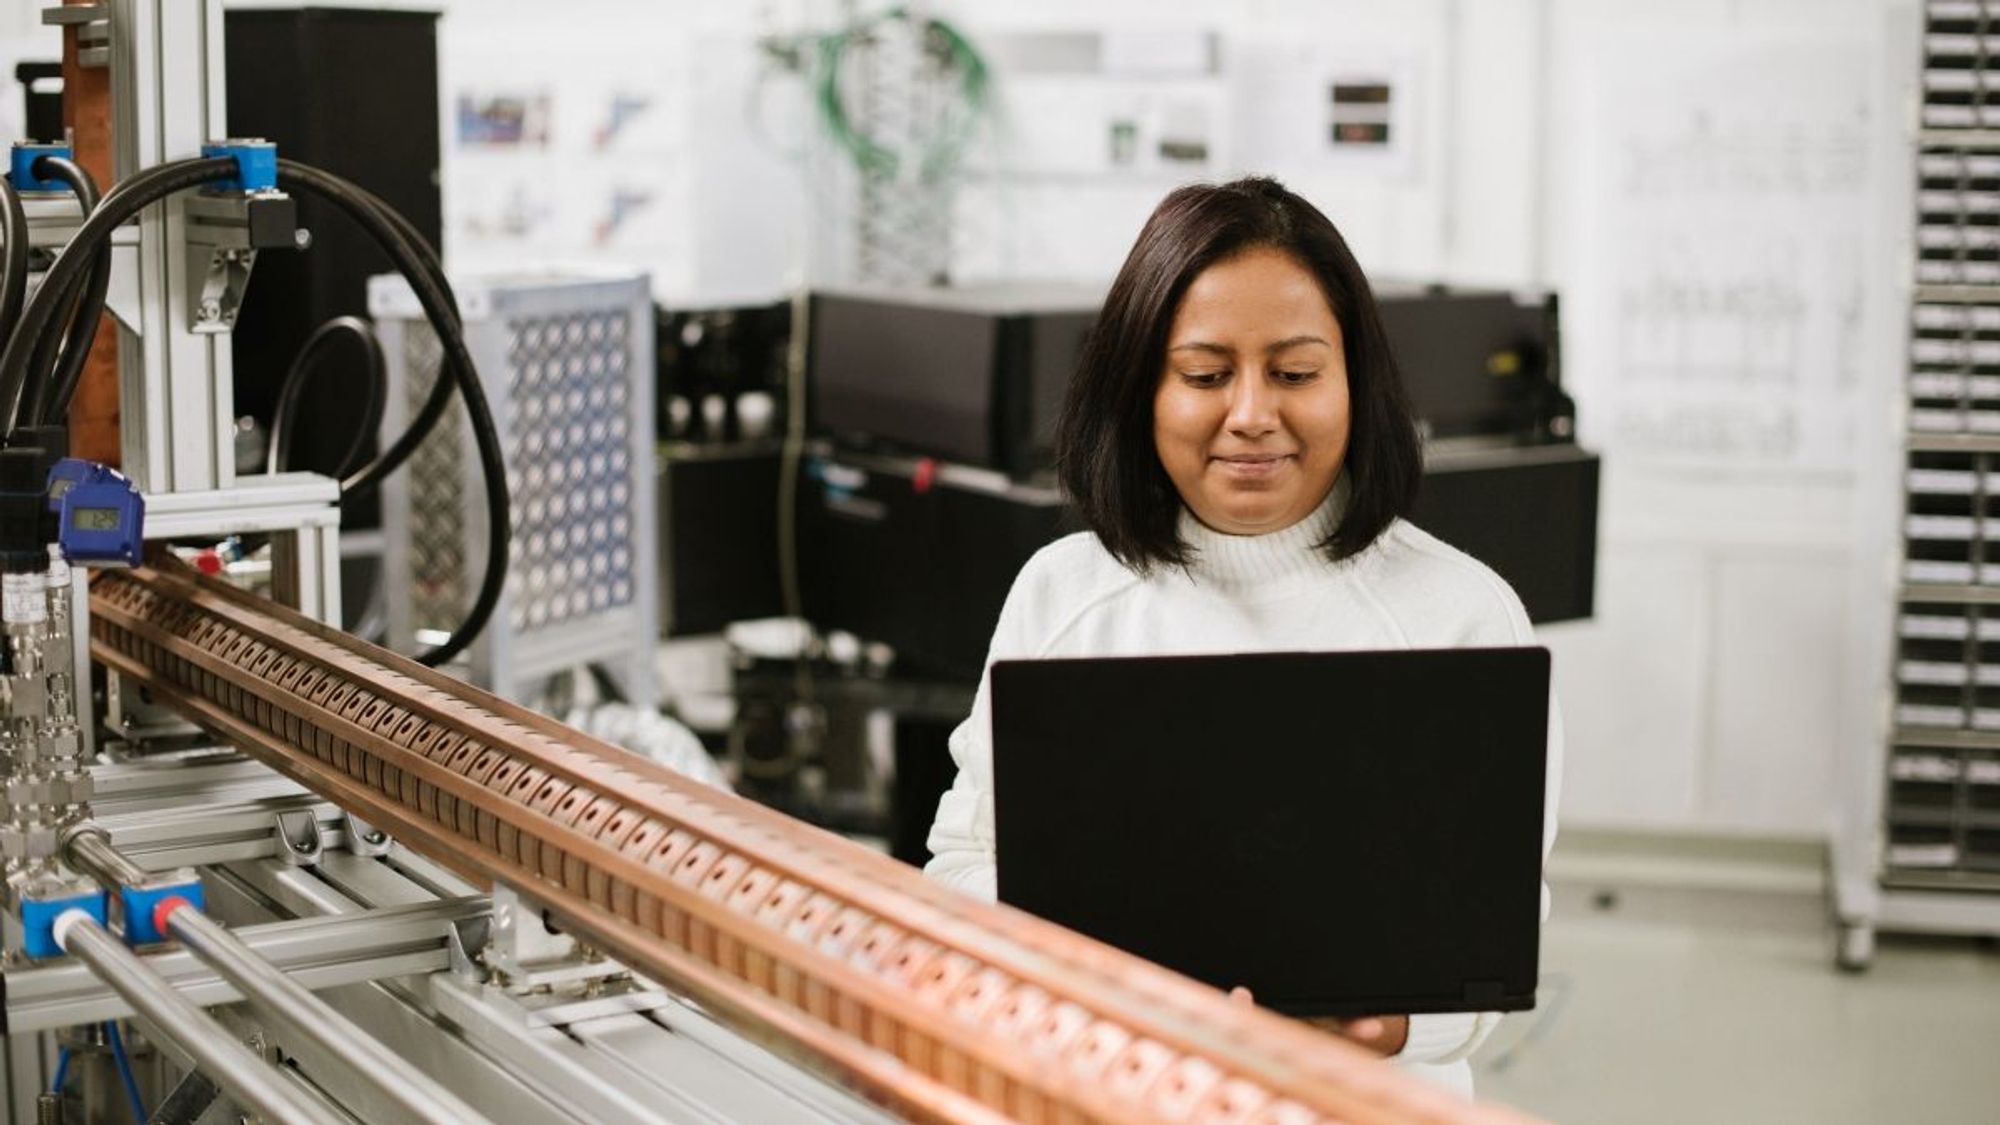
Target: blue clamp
101, 517
145, 921
256, 165
21, 167
38, 919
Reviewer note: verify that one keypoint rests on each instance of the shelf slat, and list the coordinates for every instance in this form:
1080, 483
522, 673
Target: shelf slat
1940, 137
1939, 738
1953, 443
1966, 595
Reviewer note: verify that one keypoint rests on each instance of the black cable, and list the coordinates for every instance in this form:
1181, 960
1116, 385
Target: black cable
291, 391
607, 688
357, 201
126, 200
420, 267
413, 259
14, 267
85, 312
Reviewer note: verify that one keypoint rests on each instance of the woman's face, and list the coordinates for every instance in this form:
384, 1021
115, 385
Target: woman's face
1251, 416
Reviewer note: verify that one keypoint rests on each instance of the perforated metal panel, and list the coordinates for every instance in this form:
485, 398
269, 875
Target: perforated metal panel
570, 465
567, 364
437, 573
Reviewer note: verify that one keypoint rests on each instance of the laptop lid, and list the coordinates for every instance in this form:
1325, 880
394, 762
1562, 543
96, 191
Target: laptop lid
1344, 833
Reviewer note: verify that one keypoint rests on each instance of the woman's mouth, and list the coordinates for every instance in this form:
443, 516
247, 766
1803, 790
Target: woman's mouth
1253, 466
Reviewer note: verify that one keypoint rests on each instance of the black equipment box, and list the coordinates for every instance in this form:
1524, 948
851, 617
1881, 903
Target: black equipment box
973, 375
718, 528
918, 555
321, 83
1529, 512
1479, 362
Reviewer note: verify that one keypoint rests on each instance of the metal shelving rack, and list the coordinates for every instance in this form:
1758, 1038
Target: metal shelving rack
1934, 863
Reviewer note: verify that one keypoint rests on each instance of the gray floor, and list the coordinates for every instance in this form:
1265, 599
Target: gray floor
1673, 1005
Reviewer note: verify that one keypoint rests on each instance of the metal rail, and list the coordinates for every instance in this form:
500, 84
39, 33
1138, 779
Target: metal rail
321, 952
215, 1052
940, 1007
306, 1015
279, 996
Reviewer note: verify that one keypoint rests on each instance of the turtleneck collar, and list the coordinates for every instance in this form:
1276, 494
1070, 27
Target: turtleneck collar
1254, 560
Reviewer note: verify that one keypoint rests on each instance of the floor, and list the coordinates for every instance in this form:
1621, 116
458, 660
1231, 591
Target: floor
1666, 1004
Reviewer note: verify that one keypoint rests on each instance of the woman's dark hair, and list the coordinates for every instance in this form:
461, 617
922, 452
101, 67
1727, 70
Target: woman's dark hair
1105, 455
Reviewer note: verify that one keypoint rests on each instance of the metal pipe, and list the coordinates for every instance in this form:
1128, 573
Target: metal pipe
89, 850
284, 999
277, 994
215, 1051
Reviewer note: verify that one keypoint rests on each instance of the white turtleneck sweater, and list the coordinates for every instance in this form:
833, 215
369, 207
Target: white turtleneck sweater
1265, 593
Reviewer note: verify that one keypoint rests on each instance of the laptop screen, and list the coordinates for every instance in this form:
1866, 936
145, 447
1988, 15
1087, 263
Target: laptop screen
1343, 833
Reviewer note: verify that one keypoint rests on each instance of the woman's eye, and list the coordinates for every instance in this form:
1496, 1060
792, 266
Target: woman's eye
1204, 378
1295, 377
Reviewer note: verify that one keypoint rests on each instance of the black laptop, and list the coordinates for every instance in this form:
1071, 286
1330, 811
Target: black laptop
1346, 833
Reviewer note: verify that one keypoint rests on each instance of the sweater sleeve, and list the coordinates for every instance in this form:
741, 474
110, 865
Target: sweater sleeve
1450, 1036
961, 839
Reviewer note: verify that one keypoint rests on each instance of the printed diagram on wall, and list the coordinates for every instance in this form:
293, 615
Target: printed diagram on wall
621, 112
1718, 295
503, 120
502, 209
574, 158
621, 217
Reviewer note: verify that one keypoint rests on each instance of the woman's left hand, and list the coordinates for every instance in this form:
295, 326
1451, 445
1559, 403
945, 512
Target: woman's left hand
1384, 1035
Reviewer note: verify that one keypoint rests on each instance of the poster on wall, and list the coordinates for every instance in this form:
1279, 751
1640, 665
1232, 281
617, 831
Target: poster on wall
1719, 264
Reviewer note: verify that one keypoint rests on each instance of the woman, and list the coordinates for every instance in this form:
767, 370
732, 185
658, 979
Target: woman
1239, 444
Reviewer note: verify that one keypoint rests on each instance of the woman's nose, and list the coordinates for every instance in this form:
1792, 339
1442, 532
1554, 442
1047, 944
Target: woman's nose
1252, 406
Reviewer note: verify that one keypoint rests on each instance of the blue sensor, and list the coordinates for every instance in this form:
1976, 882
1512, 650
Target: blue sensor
144, 920
256, 165
21, 167
101, 517
38, 920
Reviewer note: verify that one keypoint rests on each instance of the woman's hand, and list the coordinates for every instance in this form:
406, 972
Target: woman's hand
1384, 1035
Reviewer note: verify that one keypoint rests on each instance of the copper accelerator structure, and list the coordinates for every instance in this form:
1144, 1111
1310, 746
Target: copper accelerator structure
938, 1006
